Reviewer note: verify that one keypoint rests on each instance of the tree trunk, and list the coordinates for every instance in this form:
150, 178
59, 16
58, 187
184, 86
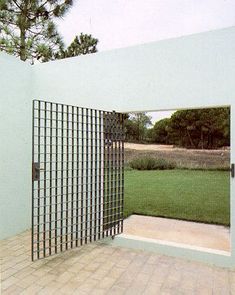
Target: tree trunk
190, 139
23, 53
22, 45
202, 140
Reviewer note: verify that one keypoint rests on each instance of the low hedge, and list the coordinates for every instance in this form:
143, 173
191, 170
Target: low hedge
149, 163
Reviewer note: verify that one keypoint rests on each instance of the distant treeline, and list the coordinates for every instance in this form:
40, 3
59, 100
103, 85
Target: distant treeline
196, 128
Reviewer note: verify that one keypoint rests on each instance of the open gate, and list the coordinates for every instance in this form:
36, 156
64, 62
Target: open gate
78, 176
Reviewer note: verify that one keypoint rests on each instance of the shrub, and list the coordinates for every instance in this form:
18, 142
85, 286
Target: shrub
148, 163
128, 168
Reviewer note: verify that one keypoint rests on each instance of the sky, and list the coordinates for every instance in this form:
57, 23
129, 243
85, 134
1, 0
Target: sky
123, 23
156, 116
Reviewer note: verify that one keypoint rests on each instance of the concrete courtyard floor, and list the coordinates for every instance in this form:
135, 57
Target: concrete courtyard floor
198, 235
100, 268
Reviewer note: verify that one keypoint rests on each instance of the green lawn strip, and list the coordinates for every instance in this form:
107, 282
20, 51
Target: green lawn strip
201, 196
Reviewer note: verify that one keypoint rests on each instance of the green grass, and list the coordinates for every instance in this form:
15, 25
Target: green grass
201, 196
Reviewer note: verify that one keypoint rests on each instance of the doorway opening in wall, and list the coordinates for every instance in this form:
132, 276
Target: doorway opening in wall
177, 178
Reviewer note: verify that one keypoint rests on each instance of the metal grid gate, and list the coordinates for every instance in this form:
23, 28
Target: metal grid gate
78, 176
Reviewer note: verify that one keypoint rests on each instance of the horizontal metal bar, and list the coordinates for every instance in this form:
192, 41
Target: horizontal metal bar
67, 186
68, 105
74, 232
66, 210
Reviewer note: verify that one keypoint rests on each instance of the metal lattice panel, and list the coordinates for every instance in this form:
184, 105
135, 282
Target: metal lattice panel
78, 179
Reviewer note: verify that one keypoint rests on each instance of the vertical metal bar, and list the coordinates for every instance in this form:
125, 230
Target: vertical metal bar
67, 178
91, 174
62, 178
122, 171
56, 178
111, 173
50, 198
39, 183
82, 173
72, 182
107, 199
45, 173
105, 172
115, 173
87, 174
96, 172
101, 163
78, 168
111, 199
32, 234
119, 172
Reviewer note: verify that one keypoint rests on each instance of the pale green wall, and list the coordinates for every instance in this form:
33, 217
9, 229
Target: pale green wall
190, 71
15, 145
187, 72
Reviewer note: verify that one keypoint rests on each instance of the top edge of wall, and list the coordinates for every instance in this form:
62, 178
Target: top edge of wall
144, 45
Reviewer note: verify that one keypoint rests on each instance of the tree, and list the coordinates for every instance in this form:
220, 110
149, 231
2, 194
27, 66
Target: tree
200, 128
136, 126
131, 130
27, 29
84, 44
160, 131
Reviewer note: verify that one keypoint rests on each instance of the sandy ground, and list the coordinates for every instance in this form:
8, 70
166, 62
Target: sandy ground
147, 147
184, 232
161, 147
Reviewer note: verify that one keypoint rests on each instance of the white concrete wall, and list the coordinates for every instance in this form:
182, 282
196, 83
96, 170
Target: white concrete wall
191, 71
187, 72
15, 145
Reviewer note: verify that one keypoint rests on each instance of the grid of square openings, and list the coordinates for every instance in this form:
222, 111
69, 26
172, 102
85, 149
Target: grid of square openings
79, 195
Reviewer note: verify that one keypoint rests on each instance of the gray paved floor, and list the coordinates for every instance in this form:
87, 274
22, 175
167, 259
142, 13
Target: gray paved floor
101, 269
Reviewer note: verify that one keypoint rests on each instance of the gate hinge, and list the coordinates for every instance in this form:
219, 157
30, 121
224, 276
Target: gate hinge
232, 170
36, 171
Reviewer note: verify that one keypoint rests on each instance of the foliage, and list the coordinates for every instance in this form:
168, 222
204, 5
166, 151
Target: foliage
84, 44
149, 163
199, 128
27, 30
160, 131
205, 128
136, 125
27, 27
202, 196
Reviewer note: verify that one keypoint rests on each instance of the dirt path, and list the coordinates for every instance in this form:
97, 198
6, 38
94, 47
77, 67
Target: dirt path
148, 147
161, 147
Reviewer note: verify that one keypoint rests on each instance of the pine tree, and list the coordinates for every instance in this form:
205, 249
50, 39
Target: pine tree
27, 29
84, 44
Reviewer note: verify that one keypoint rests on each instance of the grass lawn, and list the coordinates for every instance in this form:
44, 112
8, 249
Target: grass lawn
183, 194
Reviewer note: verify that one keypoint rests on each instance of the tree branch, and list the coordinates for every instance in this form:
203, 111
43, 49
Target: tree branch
17, 5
